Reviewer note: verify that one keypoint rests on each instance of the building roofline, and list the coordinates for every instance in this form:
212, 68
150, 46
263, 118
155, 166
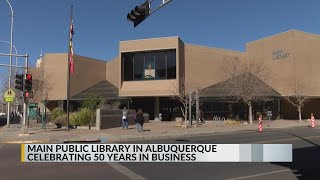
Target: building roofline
167, 37
95, 59
291, 30
214, 48
64, 53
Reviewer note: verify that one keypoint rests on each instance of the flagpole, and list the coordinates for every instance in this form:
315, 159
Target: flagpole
68, 79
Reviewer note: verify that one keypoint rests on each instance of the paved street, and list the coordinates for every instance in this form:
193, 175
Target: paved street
153, 130
12, 168
306, 143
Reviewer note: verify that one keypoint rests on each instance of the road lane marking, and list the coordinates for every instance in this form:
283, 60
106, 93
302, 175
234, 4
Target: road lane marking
288, 139
3, 127
125, 171
261, 174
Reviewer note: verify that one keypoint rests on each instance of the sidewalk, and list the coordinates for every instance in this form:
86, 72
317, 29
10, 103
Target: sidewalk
153, 130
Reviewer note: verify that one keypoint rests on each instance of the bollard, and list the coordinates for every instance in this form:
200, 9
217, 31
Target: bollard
260, 124
160, 118
313, 121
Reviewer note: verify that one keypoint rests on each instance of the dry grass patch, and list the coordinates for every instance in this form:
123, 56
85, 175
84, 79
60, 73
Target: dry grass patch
231, 123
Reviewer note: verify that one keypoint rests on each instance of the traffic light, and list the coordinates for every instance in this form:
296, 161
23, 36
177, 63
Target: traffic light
28, 94
28, 82
28, 86
19, 82
139, 13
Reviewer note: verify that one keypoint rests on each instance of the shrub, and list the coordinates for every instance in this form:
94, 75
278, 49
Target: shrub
61, 120
74, 120
55, 113
84, 117
91, 102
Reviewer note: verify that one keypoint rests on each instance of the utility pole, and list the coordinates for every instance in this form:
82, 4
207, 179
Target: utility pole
26, 70
190, 108
10, 71
197, 107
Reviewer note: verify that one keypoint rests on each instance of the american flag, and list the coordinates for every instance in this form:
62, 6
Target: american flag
71, 48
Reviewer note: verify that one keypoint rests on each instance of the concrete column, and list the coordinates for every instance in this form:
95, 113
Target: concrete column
197, 107
98, 119
156, 107
279, 108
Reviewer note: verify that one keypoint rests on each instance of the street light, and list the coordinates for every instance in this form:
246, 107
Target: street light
10, 72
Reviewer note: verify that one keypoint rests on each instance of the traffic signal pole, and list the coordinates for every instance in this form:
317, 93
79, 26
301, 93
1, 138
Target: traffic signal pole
25, 103
164, 2
26, 69
142, 12
25, 99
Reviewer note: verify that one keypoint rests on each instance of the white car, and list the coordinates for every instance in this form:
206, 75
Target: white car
2, 114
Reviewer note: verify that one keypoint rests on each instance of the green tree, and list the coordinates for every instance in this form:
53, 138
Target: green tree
91, 102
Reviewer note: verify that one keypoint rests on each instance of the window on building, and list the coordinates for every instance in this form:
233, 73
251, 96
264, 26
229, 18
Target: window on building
161, 66
138, 66
171, 65
151, 65
127, 67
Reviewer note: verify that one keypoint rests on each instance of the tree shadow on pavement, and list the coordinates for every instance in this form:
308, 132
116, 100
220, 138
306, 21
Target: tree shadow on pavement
306, 161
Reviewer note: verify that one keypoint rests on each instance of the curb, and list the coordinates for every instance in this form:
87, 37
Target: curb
108, 138
95, 140
27, 142
2, 128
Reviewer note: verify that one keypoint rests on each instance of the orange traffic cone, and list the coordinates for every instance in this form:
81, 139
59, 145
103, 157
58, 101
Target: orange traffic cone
313, 121
260, 124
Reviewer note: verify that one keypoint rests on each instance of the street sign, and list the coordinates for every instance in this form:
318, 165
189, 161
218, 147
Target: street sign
33, 105
9, 95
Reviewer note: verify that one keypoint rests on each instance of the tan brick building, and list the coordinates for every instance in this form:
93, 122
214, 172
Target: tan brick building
145, 70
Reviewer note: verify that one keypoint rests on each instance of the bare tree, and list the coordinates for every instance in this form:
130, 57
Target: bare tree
115, 104
245, 80
40, 85
181, 92
300, 93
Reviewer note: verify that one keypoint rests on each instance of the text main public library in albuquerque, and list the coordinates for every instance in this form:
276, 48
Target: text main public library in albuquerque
143, 73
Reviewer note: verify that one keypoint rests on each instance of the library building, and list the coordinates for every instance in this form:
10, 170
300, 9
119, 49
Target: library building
147, 73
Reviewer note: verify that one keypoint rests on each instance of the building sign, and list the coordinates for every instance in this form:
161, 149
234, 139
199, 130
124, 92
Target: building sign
279, 54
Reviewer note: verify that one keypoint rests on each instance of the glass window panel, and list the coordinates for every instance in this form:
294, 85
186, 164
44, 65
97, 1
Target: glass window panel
138, 66
171, 64
161, 65
127, 67
149, 66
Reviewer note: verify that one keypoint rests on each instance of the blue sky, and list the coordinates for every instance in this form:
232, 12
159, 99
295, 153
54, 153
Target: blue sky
101, 24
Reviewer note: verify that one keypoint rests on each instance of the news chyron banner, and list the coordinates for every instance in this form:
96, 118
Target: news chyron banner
156, 152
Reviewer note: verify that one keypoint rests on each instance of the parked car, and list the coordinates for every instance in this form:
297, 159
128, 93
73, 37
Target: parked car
2, 114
